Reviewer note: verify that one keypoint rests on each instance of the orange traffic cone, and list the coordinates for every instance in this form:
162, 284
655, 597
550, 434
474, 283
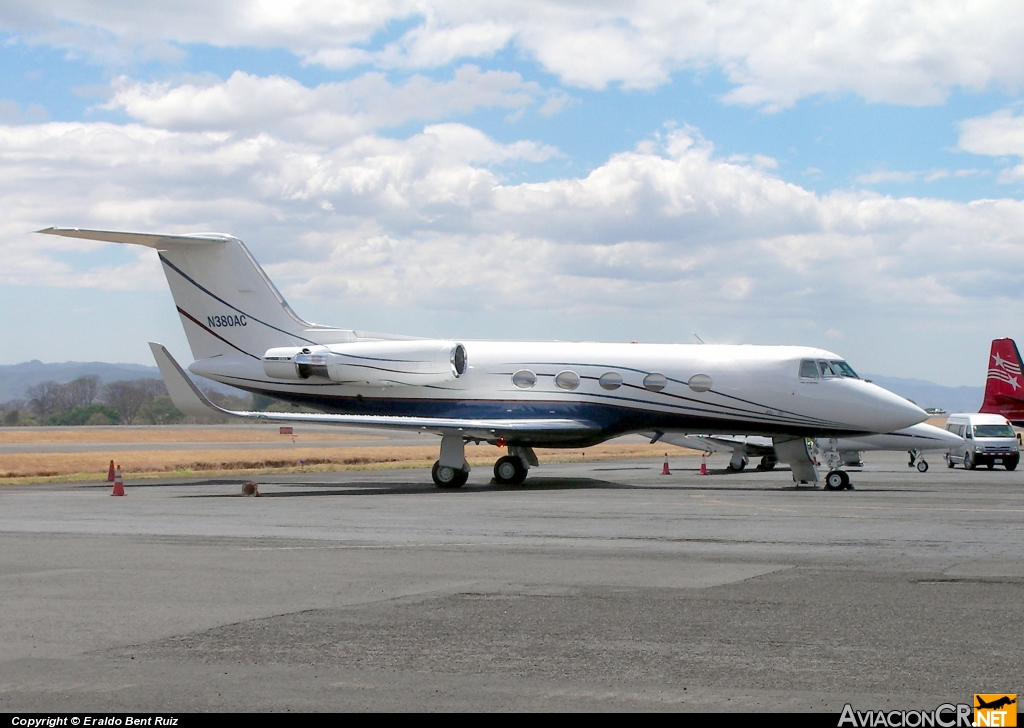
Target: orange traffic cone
110, 472
703, 466
118, 485
664, 468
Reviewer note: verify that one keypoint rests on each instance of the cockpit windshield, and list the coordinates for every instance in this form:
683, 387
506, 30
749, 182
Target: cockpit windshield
821, 369
844, 370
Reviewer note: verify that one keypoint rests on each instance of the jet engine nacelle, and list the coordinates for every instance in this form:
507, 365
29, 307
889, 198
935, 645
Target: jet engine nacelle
375, 363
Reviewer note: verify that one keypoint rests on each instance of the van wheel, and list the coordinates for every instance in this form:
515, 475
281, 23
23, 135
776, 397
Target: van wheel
949, 463
1011, 464
969, 463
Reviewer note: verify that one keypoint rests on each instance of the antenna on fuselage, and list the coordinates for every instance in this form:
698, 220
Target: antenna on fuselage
697, 339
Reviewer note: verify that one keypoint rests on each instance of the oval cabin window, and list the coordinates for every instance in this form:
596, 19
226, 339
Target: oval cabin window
524, 379
699, 383
567, 380
610, 381
655, 382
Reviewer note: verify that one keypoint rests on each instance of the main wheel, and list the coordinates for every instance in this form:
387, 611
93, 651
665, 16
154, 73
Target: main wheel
736, 469
767, 463
509, 470
922, 466
835, 480
448, 477
969, 463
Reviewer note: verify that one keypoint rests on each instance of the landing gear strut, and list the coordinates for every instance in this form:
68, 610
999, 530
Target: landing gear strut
451, 470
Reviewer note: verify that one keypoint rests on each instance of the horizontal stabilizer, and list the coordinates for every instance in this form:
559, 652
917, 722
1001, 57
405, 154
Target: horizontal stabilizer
150, 240
188, 398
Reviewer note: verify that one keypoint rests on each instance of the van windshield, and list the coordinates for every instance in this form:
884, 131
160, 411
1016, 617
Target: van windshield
993, 431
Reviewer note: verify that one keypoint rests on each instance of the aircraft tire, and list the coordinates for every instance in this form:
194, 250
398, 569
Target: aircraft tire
445, 477
731, 469
509, 470
767, 463
836, 480
922, 466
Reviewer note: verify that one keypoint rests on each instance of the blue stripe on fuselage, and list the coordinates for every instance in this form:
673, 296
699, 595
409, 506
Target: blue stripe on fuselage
613, 420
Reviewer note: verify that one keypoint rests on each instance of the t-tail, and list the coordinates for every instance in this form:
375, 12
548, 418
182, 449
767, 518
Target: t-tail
227, 304
1004, 386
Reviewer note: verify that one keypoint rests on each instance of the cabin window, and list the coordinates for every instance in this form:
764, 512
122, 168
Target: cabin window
699, 383
808, 369
524, 379
567, 380
655, 382
610, 381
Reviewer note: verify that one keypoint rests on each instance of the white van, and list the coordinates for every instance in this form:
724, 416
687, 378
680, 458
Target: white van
989, 440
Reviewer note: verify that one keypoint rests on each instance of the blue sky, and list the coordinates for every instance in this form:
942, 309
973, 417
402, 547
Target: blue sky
848, 177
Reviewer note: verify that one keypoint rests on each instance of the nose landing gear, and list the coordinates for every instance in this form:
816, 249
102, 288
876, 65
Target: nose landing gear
917, 461
837, 480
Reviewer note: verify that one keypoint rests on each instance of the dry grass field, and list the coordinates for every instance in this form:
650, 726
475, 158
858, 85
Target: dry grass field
81, 435
18, 468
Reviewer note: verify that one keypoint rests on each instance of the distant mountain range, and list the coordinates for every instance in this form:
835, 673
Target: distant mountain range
927, 394
15, 379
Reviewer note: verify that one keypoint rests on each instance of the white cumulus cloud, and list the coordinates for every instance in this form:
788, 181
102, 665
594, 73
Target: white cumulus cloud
774, 52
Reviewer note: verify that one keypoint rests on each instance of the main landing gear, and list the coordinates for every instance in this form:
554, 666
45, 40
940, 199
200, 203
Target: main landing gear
452, 471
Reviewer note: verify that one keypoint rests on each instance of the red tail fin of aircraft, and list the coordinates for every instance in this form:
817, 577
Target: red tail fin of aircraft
1004, 387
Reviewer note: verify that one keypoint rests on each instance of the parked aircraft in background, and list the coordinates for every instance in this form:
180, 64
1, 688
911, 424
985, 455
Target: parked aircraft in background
520, 395
915, 440
1004, 385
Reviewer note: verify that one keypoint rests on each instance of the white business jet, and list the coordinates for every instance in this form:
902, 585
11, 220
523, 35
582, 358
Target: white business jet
915, 440
520, 395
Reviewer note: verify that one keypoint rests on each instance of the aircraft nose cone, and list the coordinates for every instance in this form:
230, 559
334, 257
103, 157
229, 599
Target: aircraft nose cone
892, 412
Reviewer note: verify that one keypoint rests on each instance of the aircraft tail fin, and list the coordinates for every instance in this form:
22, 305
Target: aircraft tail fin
227, 304
1004, 385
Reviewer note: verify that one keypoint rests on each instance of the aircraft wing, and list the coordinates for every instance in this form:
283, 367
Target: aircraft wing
188, 398
751, 446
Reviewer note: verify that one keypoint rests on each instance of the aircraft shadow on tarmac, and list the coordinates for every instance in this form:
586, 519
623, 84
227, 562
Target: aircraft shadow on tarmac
319, 489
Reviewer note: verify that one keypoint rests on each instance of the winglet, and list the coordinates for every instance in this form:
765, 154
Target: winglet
185, 395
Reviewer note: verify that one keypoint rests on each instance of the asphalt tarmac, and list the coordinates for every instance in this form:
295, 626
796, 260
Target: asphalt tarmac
599, 586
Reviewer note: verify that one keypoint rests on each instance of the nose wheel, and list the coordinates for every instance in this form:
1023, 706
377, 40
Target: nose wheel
837, 480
